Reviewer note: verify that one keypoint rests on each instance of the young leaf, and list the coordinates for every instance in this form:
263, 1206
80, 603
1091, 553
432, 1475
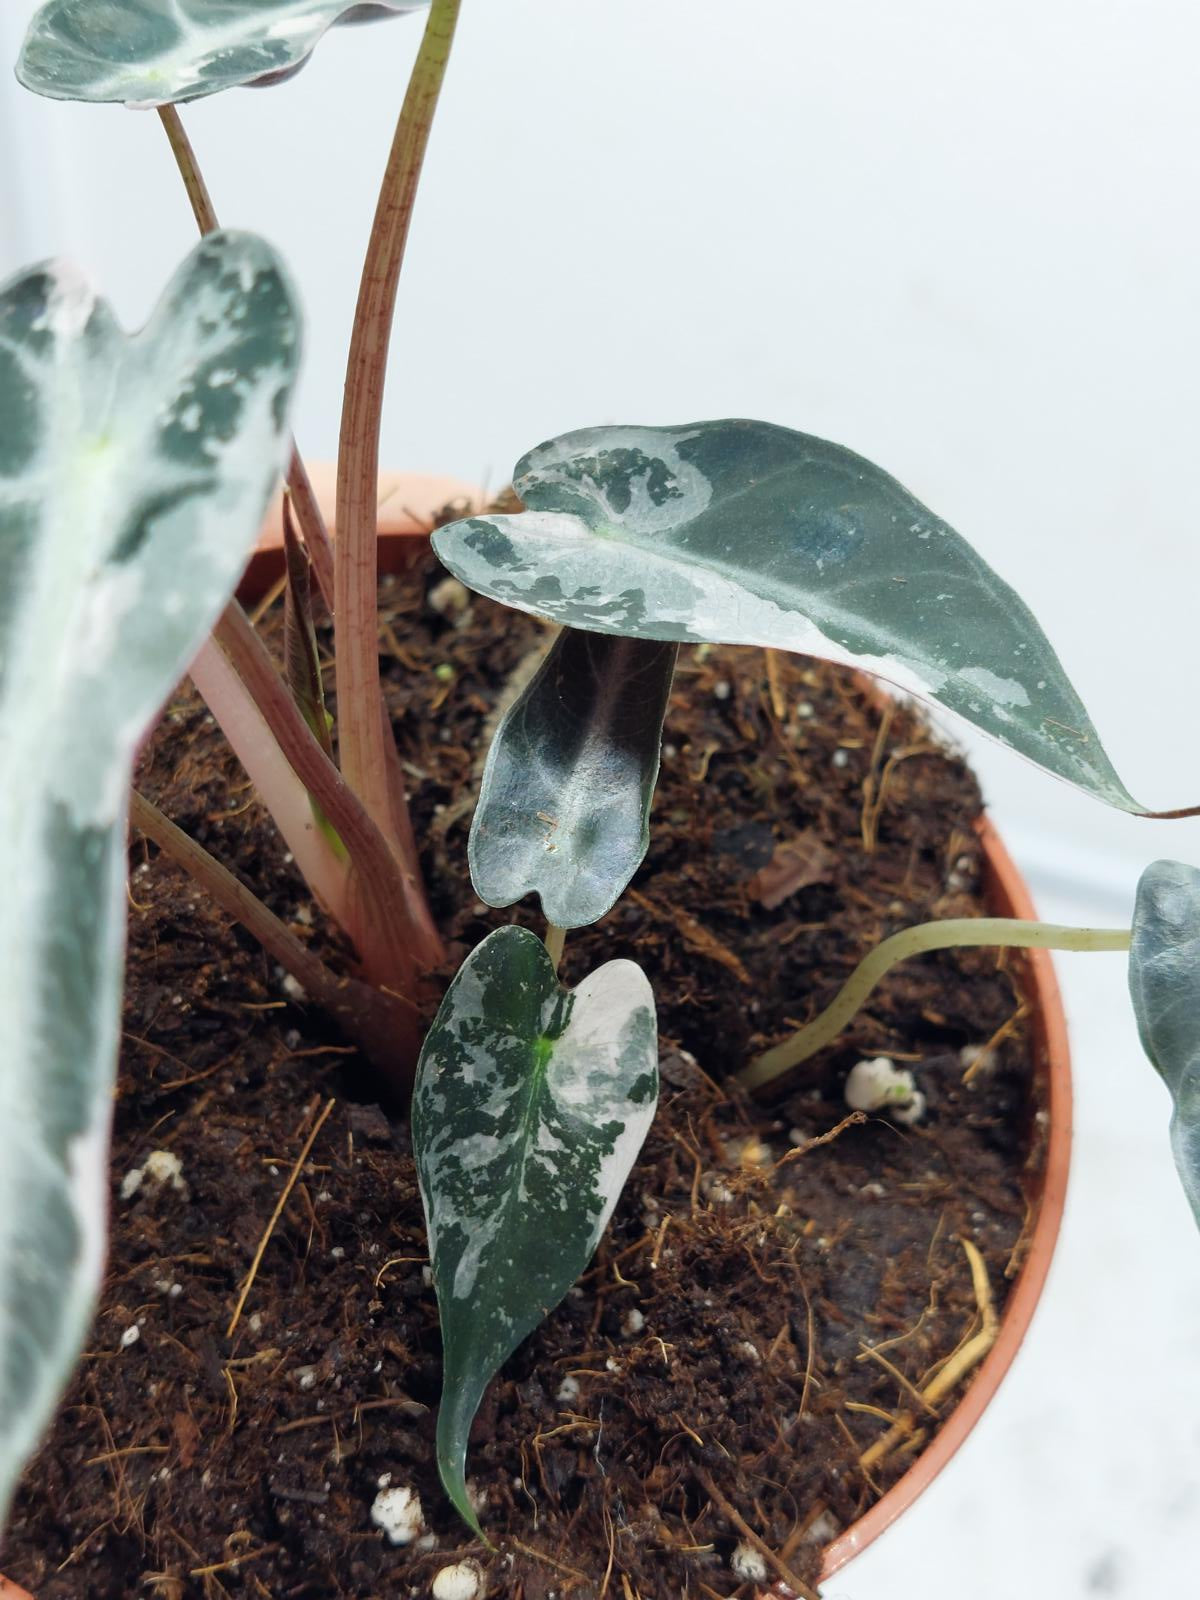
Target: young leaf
1164, 984
531, 1104
161, 52
134, 473
744, 533
564, 807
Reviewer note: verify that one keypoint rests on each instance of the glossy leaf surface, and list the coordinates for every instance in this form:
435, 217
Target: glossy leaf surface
744, 533
134, 473
1164, 984
564, 807
159, 52
531, 1104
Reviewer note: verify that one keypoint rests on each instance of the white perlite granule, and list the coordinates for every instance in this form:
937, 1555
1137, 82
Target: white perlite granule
462, 1581
161, 1167
879, 1085
747, 1564
398, 1513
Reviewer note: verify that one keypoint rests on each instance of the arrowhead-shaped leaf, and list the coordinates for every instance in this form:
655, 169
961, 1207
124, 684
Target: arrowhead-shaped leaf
1164, 983
531, 1104
134, 474
745, 533
564, 807
158, 52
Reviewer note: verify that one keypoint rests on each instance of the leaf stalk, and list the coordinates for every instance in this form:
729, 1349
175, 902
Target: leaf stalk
954, 932
375, 1021
362, 738
384, 930
308, 512
556, 938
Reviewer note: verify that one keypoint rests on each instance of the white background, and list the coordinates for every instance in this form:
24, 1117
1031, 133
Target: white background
963, 239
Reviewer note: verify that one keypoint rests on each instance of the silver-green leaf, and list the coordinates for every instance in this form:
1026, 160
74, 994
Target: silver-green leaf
531, 1104
744, 533
159, 52
1164, 984
564, 807
134, 474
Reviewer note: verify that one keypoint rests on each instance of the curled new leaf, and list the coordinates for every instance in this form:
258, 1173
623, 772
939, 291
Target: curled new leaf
1164, 984
564, 807
744, 533
159, 52
134, 474
531, 1104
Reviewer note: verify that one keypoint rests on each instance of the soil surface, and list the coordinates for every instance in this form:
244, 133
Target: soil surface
741, 1366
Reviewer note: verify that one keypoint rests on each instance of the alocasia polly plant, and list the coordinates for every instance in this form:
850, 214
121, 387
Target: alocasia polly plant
133, 474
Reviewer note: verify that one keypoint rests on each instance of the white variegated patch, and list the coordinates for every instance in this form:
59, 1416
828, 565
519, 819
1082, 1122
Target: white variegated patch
1164, 984
531, 1104
157, 52
744, 533
131, 490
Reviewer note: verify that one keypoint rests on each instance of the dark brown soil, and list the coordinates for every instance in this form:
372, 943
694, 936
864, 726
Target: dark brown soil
743, 1391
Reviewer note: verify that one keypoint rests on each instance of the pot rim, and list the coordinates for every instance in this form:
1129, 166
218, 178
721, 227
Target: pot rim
409, 503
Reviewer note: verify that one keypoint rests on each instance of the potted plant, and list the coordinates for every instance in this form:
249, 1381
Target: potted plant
136, 473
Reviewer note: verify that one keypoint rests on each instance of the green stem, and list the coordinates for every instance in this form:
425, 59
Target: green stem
1007, 932
556, 937
362, 737
308, 513
376, 1021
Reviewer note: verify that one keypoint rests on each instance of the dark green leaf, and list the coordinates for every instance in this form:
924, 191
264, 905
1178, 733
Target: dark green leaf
531, 1104
564, 807
1164, 984
743, 533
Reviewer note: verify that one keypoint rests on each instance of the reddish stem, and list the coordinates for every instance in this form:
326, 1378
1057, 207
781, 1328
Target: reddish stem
383, 927
384, 1028
361, 735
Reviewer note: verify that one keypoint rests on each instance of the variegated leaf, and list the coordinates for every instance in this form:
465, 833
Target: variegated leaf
159, 52
134, 474
531, 1104
564, 807
744, 533
1164, 983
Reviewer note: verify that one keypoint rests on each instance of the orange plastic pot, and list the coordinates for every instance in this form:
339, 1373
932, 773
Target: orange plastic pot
407, 508
408, 505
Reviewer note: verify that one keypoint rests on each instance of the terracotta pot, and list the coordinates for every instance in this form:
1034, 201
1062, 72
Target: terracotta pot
1007, 896
407, 506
